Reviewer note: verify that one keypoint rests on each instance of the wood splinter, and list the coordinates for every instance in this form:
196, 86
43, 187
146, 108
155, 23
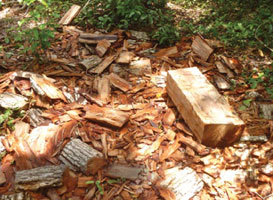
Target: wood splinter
79, 156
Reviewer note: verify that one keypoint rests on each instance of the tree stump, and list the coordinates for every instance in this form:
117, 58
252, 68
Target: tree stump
79, 156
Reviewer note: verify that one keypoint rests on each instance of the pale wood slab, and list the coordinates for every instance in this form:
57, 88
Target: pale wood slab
70, 15
206, 112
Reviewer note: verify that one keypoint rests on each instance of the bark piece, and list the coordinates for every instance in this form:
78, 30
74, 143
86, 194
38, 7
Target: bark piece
139, 35
167, 52
266, 110
2, 177
91, 62
169, 117
16, 196
184, 183
109, 116
119, 83
43, 86
41, 177
12, 101
232, 63
35, 117
125, 57
206, 112
102, 66
91, 38
121, 171
102, 47
223, 69
104, 89
201, 48
140, 67
221, 83
79, 156
70, 15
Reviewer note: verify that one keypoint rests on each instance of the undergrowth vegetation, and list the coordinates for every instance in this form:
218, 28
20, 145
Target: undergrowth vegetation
237, 23
147, 15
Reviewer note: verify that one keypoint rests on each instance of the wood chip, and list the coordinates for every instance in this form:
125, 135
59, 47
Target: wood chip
201, 48
119, 83
221, 82
140, 67
125, 57
108, 116
102, 47
167, 52
102, 66
90, 38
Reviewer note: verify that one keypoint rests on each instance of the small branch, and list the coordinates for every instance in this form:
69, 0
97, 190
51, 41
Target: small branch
265, 45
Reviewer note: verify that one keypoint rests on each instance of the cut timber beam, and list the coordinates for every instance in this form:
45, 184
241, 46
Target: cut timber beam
206, 112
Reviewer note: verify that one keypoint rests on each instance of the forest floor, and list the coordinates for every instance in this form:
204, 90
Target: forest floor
116, 102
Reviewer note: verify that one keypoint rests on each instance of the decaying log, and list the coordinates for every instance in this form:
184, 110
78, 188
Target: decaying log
121, 171
183, 183
201, 48
109, 116
16, 196
91, 38
118, 82
41, 177
206, 112
79, 156
70, 15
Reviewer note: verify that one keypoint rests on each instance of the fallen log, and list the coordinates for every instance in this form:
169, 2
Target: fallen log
16, 196
108, 116
40, 177
206, 112
79, 156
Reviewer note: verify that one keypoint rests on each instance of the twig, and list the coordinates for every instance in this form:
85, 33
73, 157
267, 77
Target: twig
84, 6
265, 45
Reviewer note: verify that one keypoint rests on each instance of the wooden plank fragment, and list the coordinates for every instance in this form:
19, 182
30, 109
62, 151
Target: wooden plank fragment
201, 48
118, 82
79, 156
206, 112
108, 116
40, 177
122, 171
70, 15
91, 38
104, 89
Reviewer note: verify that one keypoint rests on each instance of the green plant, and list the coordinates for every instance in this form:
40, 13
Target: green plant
7, 117
262, 76
128, 14
236, 23
34, 33
99, 183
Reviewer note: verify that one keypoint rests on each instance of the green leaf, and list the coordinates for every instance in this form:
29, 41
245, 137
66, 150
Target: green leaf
89, 182
99, 187
247, 102
113, 181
